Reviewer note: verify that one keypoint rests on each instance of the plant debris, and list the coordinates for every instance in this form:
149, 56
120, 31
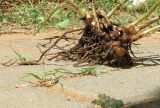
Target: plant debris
102, 41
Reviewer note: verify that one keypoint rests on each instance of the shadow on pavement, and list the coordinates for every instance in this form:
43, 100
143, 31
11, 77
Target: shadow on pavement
151, 104
152, 60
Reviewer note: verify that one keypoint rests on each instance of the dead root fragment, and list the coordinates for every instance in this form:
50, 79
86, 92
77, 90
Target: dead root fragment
28, 63
9, 63
55, 43
18, 62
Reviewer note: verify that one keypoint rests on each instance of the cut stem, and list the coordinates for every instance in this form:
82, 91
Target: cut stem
151, 30
148, 22
95, 16
105, 17
138, 36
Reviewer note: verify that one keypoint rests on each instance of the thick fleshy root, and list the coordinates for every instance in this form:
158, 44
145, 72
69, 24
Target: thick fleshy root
102, 41
109, 45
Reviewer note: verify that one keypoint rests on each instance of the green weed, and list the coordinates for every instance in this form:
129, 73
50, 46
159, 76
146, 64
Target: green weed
46, 79
19, 55
53, 77
36, 14
21, 60
107, 102
88, 71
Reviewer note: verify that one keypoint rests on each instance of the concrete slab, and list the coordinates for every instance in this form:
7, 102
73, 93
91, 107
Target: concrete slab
130, 84
29, 97
34, 98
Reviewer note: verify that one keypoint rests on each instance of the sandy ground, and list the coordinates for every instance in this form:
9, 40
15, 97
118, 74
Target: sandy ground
134, 84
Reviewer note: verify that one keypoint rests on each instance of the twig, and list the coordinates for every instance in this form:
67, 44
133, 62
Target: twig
28, 63
40, 58
58, 54
93, 62
79, 62
9, 63
65, 38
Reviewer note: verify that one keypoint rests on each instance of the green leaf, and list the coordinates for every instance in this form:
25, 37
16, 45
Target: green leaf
63, 24
119, 103
37, 75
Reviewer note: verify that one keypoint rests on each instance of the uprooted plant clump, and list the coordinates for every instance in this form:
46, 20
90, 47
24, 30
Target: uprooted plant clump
102, 41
